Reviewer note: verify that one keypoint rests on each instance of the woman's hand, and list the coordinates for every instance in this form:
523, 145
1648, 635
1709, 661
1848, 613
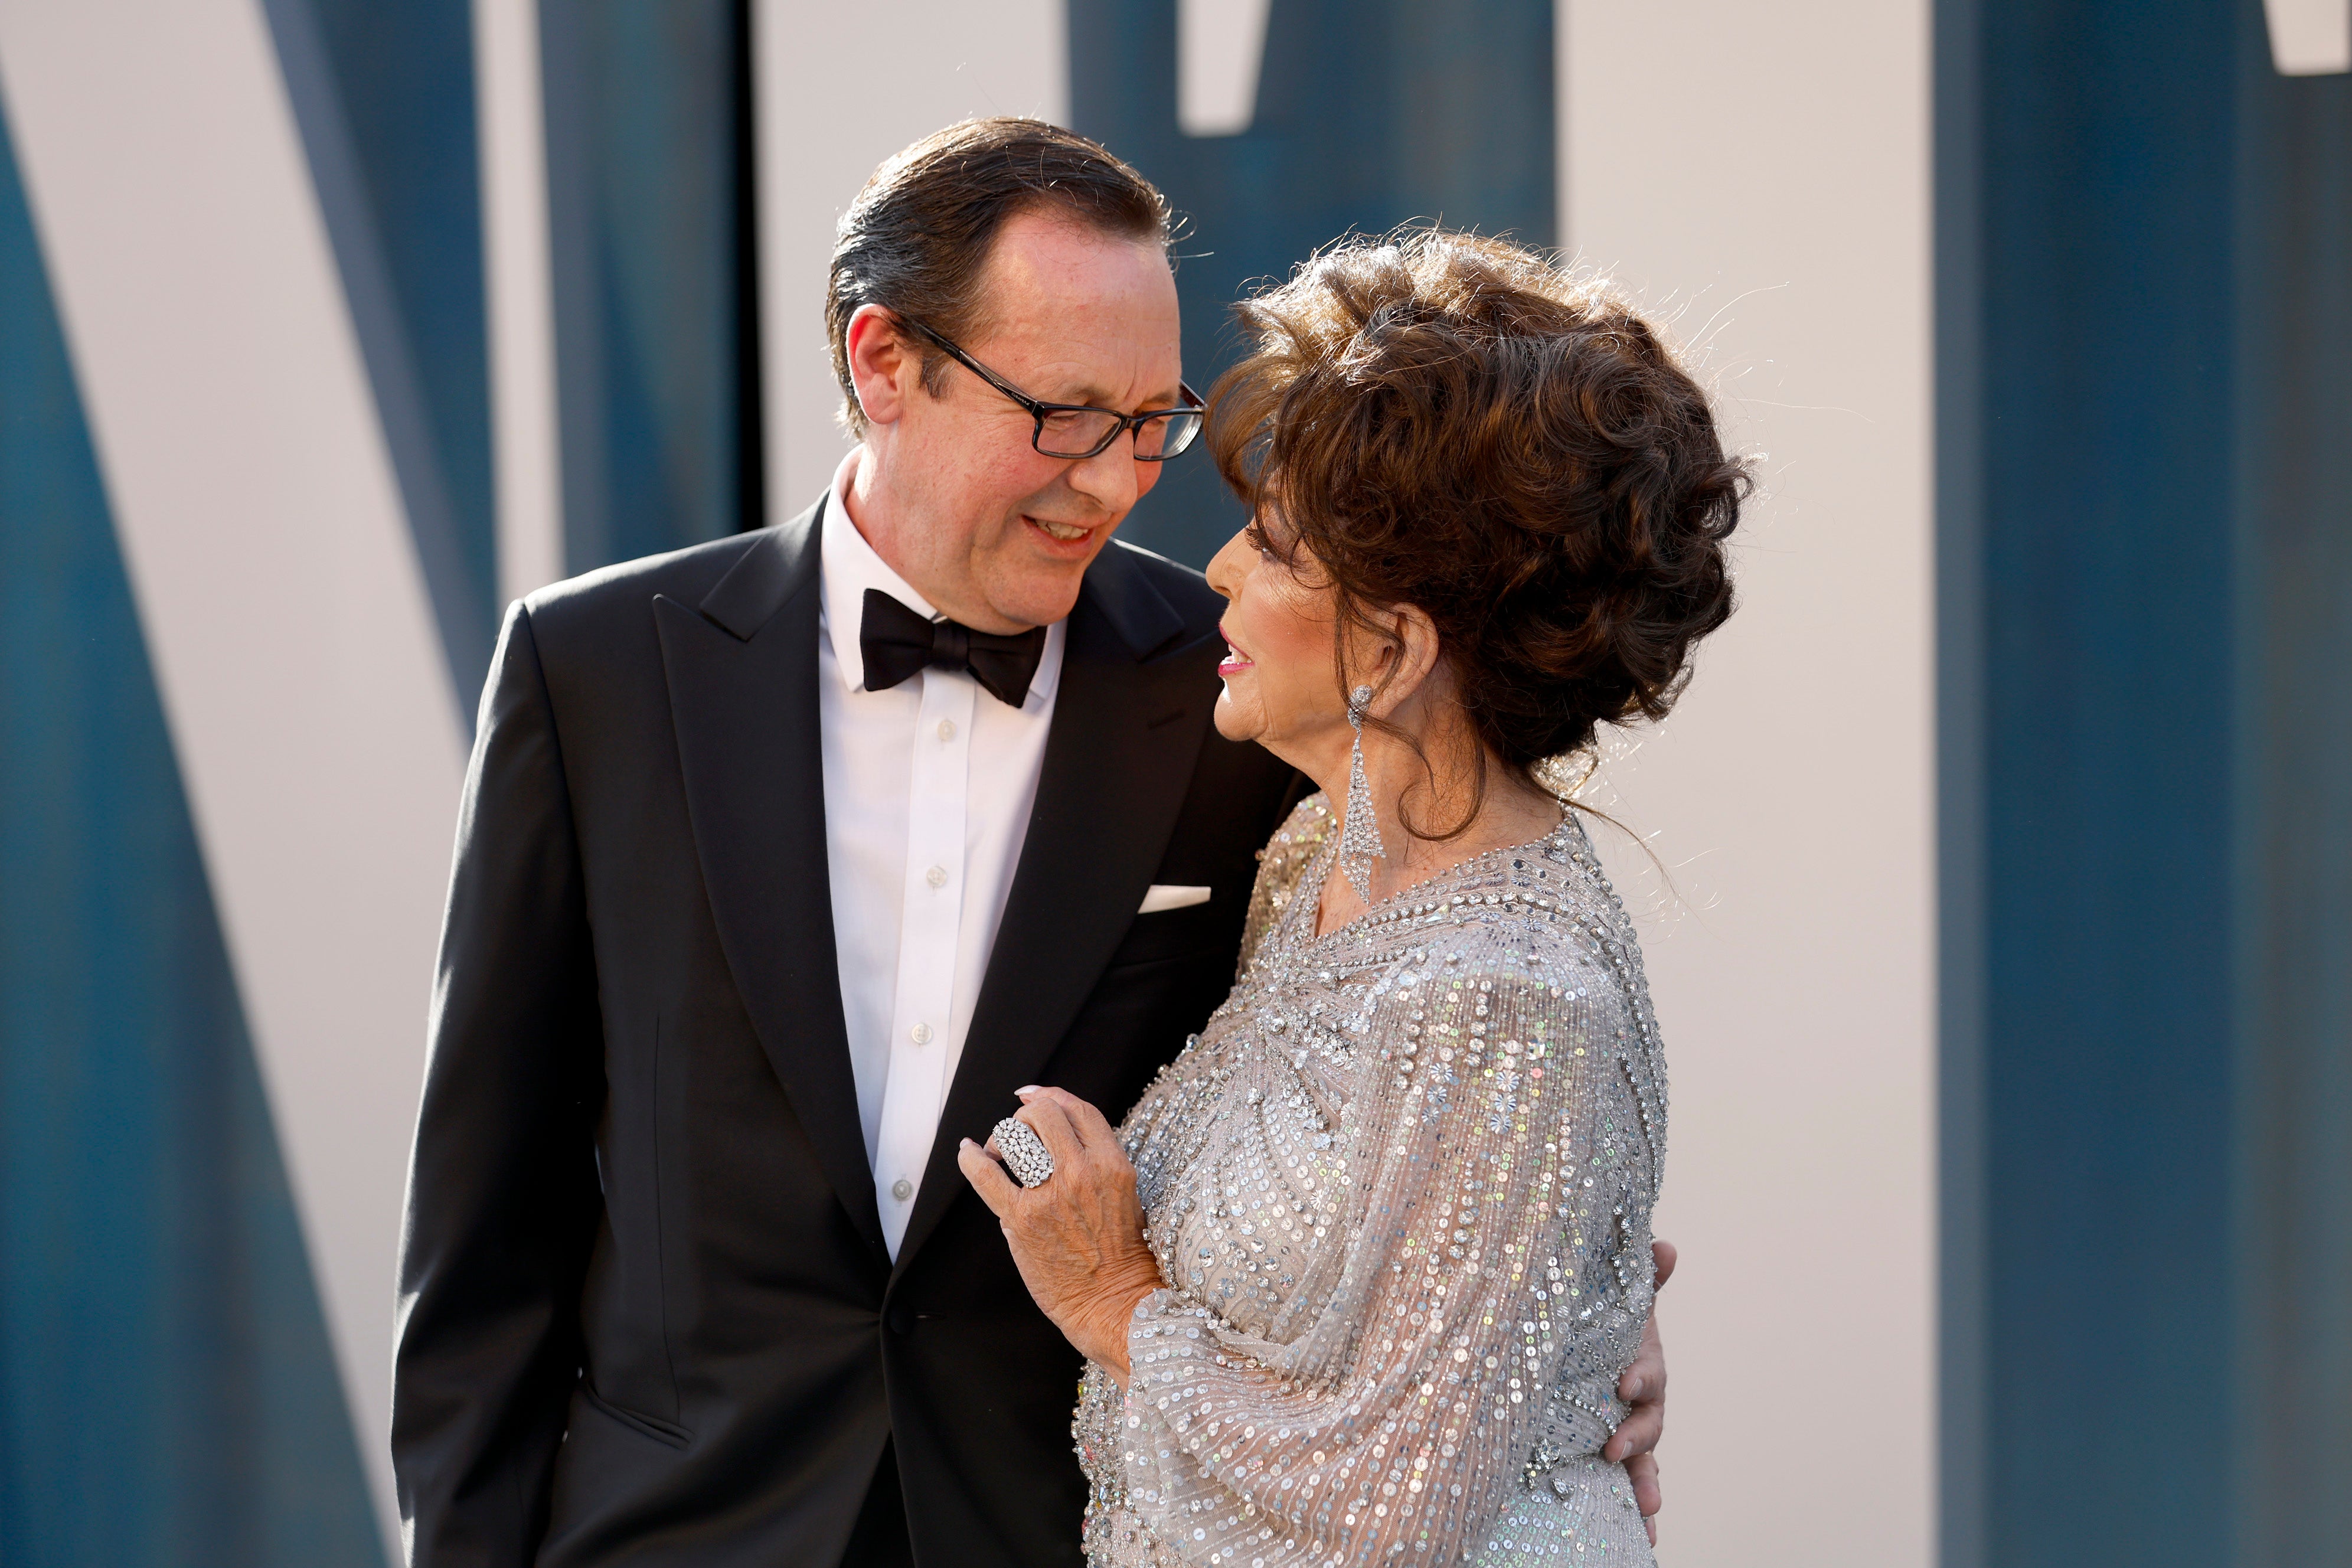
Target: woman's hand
1077, 1237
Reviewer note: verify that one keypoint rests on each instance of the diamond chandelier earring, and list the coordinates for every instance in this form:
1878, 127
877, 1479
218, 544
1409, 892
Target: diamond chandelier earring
1360, 835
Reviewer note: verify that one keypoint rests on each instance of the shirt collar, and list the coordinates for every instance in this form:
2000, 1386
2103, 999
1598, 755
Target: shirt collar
847, 566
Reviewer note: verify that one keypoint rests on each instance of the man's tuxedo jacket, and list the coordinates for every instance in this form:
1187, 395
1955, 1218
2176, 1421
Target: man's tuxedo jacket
646, 1314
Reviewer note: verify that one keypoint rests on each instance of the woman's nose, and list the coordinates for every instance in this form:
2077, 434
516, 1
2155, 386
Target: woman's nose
1230, 565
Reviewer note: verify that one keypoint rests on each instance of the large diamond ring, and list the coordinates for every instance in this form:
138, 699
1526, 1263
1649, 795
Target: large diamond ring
1025, 1152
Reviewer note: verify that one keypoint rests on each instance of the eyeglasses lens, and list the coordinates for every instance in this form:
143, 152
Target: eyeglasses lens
1166, 436
1082, 433
1076, 431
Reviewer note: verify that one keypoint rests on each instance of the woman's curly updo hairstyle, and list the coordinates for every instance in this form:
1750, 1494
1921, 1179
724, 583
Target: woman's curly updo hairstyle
1455, 423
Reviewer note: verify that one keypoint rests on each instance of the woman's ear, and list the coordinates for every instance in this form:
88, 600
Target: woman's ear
1408, 653
882, 366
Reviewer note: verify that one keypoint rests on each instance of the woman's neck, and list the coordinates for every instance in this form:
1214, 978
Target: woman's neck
1509, 810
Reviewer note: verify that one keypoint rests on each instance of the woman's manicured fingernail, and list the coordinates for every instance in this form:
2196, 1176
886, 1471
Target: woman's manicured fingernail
967, 1144
1025, 1090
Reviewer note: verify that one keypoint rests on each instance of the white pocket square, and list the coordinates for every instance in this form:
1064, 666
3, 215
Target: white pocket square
1166, 896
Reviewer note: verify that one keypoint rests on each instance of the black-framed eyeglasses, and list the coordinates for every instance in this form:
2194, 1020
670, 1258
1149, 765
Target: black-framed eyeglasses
1082, 430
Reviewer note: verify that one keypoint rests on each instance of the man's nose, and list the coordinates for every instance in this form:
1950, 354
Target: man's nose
1108, 477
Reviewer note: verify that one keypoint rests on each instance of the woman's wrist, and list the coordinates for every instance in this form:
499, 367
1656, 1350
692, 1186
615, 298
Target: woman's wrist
1112, 1312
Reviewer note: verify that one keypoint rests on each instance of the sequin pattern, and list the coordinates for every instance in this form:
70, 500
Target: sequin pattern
1400, 1191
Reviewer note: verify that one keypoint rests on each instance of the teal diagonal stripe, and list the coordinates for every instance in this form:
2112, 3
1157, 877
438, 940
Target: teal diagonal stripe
649, 213
384, 98
167, 1394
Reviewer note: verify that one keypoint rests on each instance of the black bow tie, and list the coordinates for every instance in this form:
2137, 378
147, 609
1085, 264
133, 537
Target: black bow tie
896, 642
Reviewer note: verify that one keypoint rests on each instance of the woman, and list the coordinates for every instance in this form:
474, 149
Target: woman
1357, 1277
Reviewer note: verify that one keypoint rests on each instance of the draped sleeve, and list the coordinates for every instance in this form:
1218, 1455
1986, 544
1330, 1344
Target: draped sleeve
1492, 1228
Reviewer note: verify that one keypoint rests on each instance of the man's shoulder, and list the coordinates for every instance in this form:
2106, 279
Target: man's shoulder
595, 598
601, 632
1181, 583
1186, 591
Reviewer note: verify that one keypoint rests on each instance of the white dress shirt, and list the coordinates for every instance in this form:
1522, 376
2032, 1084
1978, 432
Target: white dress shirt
927, 788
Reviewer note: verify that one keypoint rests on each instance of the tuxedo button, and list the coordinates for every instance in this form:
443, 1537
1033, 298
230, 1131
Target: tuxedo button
920, 1034
902, 1189
947, 728
937, 876
902, 1320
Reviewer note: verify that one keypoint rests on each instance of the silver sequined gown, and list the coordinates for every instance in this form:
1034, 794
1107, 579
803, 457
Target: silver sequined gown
1400, 1189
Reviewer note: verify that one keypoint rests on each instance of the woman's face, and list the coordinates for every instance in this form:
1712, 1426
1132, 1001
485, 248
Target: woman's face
1281, 630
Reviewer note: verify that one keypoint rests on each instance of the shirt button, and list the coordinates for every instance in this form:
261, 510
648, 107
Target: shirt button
920, 1034
902, 1189
937, 876
947, 728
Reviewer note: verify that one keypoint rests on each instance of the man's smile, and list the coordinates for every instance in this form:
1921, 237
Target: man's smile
1065, 539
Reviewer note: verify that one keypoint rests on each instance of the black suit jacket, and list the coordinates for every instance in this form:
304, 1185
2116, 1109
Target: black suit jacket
646, 1314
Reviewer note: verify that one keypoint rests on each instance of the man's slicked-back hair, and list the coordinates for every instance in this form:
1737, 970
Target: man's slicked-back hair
918, 236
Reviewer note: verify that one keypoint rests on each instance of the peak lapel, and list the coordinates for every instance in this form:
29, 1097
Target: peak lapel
1127, 725
743, 671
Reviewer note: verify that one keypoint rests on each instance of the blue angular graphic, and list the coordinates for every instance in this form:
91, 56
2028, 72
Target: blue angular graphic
649, 205
168, 1397
1370, 113
384, 96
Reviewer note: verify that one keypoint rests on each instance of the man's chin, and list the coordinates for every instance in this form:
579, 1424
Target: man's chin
1034, 604
1041, 593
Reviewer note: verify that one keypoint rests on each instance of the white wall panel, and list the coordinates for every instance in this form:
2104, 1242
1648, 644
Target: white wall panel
1759, 175
1220, 47
840, 89
2310, 38
277, 581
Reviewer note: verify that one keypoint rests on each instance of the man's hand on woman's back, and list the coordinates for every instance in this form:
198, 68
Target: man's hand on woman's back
1643, 1387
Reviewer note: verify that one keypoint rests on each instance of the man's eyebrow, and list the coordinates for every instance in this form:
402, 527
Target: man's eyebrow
1095, 397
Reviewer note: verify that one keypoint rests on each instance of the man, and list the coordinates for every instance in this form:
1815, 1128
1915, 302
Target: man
784, 861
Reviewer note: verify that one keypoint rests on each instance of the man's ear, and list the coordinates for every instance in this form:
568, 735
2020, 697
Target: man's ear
883, 366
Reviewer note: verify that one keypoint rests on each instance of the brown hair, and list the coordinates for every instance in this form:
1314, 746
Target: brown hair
918, 236
1458, 424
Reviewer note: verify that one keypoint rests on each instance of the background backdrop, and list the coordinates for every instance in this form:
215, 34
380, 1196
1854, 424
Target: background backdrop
2004, 941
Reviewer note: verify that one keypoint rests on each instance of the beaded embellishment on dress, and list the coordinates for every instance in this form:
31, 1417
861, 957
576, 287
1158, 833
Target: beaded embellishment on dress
1399, 1188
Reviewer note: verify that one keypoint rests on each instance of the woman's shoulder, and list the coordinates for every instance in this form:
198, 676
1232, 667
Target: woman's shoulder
1280, 865
1284, 859
1553, 996
1536, 937
1521, 952
1301, 834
